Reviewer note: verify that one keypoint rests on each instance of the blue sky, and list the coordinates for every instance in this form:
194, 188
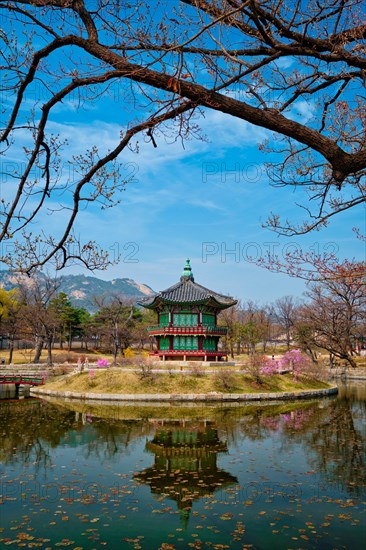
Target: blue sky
206, 201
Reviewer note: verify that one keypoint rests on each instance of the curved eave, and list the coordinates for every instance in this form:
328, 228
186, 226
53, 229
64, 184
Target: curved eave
210, 301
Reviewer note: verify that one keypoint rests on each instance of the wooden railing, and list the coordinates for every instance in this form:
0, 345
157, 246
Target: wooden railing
187, 352
194, 330
21, 379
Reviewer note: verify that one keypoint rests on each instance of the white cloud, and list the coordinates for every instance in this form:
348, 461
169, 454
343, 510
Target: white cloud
207, 204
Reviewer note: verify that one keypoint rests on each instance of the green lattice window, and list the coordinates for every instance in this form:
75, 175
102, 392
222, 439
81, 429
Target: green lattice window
185, 319
209, 344
185, 343
164, 343
208, 319
164, 319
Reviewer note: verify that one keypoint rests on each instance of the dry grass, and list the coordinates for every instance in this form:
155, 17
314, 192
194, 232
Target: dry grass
62, 356
115, 381
59, 355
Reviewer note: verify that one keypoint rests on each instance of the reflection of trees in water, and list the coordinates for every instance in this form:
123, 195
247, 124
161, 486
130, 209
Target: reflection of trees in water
113, 438
29, 428
27, 431
338, 444
259, 422
331, 430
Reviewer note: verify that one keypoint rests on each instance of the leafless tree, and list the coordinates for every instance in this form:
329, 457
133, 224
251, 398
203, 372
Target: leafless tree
284, 312
114, 322
230, 318
336, 313
36, 294
293, 68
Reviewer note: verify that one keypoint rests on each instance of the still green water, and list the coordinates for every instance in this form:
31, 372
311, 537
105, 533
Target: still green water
276, 476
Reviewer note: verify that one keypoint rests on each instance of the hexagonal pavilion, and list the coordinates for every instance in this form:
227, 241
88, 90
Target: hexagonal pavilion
187, 326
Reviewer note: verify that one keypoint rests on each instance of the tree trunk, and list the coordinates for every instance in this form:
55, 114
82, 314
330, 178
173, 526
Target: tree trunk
351, 361
11, 350
288, 338
115, 352
49, 351
312, 354
39, 347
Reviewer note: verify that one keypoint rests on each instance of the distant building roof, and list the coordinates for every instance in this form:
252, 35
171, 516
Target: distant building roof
186, 291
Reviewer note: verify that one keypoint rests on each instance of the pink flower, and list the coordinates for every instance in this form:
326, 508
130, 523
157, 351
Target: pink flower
269, 368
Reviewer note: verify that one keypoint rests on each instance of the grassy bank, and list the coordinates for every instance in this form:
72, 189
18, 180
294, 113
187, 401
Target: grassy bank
65, 358
115, 381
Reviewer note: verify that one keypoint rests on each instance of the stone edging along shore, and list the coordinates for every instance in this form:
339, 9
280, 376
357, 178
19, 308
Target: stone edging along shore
188, 396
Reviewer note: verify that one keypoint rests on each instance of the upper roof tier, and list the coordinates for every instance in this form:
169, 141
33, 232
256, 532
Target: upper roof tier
185, 292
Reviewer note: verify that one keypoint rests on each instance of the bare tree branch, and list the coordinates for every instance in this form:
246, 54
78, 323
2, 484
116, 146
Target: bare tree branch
256, 61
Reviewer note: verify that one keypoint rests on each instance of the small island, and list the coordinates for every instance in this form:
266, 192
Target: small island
188, 363
145, 384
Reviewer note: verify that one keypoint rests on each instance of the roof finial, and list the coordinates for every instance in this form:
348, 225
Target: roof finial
187, 271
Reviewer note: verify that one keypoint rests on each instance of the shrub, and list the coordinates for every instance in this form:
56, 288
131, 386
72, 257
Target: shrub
66, 357
127, 362
225, 380
91, 377
198, 371
61, 370
297, 362
255, 366
319, 370
128, 353
145, 368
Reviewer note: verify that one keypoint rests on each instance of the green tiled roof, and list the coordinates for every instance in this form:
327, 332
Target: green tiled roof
186, 291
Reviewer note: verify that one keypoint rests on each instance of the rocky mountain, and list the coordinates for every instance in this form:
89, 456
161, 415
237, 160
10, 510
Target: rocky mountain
82, 289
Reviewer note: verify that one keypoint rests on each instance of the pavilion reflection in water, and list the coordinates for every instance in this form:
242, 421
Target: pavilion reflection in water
185, 467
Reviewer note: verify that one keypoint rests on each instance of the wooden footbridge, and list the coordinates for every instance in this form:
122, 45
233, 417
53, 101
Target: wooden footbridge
21, 378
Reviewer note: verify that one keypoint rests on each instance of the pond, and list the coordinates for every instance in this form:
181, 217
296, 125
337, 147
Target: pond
90, 475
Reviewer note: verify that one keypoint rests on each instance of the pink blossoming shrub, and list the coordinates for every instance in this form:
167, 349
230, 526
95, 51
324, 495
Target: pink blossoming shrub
260, 365
295, 361
270, 367
102, 363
